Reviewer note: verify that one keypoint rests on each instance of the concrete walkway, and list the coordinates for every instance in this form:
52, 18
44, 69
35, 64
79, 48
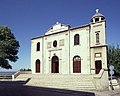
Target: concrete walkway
107, 93
18, 88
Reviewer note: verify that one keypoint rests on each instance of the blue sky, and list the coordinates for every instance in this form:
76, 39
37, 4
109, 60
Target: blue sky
32, 18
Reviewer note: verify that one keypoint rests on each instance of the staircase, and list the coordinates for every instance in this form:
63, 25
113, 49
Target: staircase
115, 84
5, 77
22, 75
72, 82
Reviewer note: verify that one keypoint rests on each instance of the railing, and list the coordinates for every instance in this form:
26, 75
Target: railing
5, 76
98, 76
101, 80
20, 72
15, 75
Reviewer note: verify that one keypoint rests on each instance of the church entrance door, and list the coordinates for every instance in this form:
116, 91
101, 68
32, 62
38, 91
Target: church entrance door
98, 66
55, 64
37, 66
76, 64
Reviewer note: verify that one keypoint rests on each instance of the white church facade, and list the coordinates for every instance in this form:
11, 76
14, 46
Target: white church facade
66, 50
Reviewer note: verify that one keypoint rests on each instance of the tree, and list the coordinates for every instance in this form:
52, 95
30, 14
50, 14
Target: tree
113, 57
8, 47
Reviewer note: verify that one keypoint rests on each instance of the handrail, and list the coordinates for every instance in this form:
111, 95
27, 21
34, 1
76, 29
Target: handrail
100, 74
15, 75
98, 80
5, 76
20, 72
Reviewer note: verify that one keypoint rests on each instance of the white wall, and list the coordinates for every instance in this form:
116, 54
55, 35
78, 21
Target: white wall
61, 51
82, 49
36, 54
98, 48
68, 50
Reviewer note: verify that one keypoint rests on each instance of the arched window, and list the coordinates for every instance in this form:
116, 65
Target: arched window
37, 63
76, 39
97, 38
38, 46
76, 64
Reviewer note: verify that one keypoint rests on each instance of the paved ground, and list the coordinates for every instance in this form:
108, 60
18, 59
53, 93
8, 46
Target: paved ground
17, 88
108, 93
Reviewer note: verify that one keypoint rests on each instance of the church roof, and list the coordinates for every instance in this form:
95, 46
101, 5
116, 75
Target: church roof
61, 31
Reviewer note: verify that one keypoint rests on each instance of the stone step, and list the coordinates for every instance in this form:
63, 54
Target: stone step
115, 84
63, 85
5, 76
23, 77
63, 76
66, 86
75, 82
63, 81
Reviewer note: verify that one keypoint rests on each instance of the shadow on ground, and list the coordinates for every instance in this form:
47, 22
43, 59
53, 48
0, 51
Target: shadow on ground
18, 88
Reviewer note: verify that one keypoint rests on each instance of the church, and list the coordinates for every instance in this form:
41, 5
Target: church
77, 51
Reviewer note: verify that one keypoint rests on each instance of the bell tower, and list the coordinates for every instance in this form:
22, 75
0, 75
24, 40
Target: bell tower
98, 42
98, 25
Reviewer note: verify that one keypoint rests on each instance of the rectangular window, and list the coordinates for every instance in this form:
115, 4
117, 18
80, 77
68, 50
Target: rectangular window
96, 19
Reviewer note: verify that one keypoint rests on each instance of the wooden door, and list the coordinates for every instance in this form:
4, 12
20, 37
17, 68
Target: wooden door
55, 64
37, 66
98, 66
76, 64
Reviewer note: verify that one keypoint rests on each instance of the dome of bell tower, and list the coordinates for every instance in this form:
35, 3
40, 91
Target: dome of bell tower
97, 17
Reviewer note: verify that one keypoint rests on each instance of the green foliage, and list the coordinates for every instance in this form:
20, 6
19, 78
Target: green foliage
8, 47
113, 57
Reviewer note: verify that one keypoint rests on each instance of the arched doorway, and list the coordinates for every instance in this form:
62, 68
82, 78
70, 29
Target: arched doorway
55, 64
98, 66
76, 64
37, 63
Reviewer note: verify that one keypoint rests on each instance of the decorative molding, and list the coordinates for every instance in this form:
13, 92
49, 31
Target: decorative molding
97, 55
97, 25
92, 68
49, 45
97, 31
54, 50
66, 34
98, 46
61, 42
